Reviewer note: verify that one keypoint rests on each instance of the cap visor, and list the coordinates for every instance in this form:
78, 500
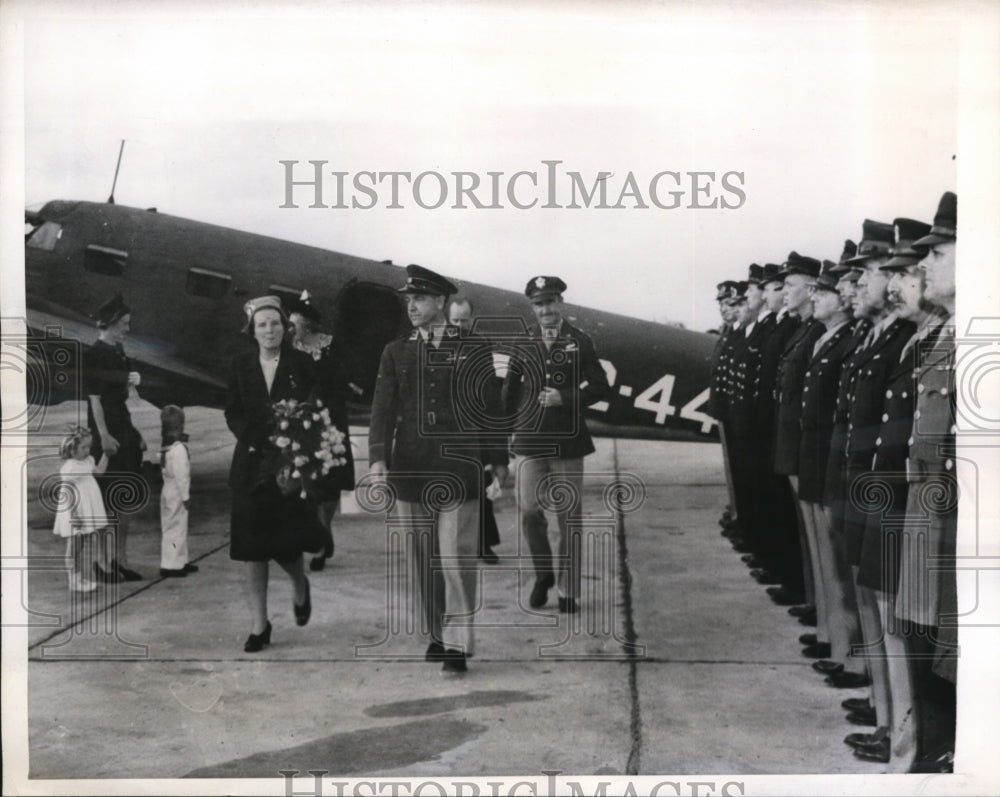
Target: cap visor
932, 239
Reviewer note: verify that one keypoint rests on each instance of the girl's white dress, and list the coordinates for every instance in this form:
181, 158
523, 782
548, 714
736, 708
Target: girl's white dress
80, 508
173, 515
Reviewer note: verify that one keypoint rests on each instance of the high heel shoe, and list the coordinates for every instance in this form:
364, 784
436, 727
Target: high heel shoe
256, 642
302, 612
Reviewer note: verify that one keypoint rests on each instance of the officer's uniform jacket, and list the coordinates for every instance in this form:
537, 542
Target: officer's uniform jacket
879, 547
788, 393
767, 407
927, 586
835, 489
418, 425
745, 380
570, 365
819, 399
864, 420
717, 385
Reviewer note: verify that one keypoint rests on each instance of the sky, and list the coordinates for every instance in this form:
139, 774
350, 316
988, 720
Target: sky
830, 114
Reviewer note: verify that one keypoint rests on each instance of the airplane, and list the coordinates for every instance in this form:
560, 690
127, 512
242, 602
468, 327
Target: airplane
186, 282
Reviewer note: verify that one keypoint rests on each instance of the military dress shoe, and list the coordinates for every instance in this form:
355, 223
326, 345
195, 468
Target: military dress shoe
454, 661
848, 680
435, 652
808, 639
818, 651
862, 718
827, 667
877, 752
854, 739
166, 572
765, 577
856, 704
540, 592
190, 568
808, 619
784, 596
801, 610
568, 605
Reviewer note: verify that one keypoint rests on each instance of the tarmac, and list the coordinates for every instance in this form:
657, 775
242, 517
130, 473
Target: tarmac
678, 663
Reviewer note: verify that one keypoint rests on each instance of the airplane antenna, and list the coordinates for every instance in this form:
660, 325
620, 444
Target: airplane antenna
121, 149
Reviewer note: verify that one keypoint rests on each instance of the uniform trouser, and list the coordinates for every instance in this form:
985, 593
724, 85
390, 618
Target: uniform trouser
489, 533
174, 526
873, 649
815, 523
555, 484
782, 529
806, 544
445, 548
840, 601
727, 462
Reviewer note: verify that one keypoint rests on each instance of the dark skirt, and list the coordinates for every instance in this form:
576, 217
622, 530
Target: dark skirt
265, 524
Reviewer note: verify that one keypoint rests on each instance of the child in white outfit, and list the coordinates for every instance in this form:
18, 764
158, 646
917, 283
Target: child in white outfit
80, 512
175, 464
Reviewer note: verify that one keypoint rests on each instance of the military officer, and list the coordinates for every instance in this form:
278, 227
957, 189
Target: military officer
421, 439
777, 520
755, 324
835, 618
800, 275
878, 565
717, 394
927, 592
877, 355
551, 436
460, 313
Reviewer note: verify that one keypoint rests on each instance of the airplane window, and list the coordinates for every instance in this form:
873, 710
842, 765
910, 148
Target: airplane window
285, 293
105, 260
44, 236
211, 284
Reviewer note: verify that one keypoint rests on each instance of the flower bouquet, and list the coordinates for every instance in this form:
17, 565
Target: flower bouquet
309, 445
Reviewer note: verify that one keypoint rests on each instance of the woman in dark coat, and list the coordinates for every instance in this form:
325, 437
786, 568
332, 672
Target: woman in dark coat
332, 388
108, 382
266, 524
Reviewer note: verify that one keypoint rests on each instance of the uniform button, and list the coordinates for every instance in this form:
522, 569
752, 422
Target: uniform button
909, 442
948, 464
805, 389
920, 388
954, 429
885, 417
878, 441
916, 415
904, 394
888, 394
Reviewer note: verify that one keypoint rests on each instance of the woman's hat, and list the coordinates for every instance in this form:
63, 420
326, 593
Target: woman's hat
111, 311
304, 308
261, 303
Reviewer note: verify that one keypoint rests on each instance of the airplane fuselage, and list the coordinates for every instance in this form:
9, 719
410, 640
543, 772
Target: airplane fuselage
186, 283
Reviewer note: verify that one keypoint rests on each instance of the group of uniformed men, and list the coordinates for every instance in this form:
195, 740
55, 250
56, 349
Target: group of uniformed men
833, 384
440, 415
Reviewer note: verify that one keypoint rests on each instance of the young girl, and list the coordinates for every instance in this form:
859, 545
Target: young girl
176, 468
80, 513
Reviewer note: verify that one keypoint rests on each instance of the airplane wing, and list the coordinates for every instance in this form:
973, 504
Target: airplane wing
166, 379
